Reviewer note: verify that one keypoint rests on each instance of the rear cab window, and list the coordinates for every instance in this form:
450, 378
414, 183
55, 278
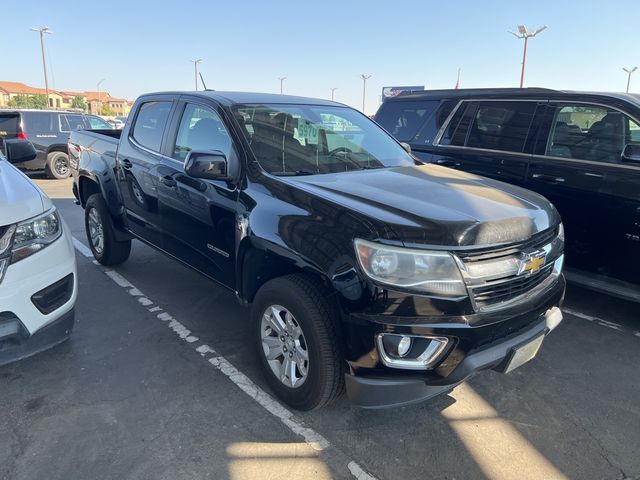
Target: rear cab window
9, 125
150, 123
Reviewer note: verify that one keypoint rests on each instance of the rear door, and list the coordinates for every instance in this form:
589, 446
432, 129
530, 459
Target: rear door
490, 138
577, 165
140, 155
198, 216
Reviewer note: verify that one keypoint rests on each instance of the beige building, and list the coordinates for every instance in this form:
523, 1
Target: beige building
63, 99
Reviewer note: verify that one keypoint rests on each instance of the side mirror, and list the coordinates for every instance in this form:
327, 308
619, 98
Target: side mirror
631, 152
18, 150
210, 164
407, 147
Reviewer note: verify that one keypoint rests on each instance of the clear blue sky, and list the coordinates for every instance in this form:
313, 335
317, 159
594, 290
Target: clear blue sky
141, 46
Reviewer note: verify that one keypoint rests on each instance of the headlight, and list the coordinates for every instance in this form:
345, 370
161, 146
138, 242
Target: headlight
33, 235
423, 271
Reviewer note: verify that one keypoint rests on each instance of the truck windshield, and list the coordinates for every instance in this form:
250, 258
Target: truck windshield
311, 139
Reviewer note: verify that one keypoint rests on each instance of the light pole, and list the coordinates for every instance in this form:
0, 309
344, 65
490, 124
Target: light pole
99, 96
364, 88
195, 70
282, 79
42, 31
526, 34
458, 81
629, 72
333, 92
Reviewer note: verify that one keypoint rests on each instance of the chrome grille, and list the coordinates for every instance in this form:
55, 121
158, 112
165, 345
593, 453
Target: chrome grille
502, 291
495, 277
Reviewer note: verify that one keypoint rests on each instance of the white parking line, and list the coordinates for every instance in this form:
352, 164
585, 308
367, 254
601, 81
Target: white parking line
599, 321
313, 438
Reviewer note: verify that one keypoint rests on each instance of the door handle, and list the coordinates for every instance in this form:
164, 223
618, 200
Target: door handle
126, 164
447, 163
548, 178
168, 180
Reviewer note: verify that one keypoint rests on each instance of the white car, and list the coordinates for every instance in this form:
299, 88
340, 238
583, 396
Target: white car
38, 277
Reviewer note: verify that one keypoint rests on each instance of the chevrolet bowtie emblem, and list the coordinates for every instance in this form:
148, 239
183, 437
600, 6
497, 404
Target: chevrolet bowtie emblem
531, 263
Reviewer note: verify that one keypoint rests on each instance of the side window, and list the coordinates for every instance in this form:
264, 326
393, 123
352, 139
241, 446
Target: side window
403, 119
591, 132
96, 123
39, 122
501, 125
201, 128
71, 122
150, 123
456, 131
434, 122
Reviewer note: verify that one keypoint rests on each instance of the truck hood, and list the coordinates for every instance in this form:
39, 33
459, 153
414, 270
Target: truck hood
434, 205
20, 199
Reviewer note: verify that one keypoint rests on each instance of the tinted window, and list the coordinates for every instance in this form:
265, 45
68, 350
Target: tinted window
9, 123
403, 119
39, 122
150, 123
201, 129
434, 122
501, 125
591, 132
71, 122
456, 131
96, 123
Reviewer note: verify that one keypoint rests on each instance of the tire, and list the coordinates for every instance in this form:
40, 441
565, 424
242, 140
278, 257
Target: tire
57, 165
108, 251
304, 298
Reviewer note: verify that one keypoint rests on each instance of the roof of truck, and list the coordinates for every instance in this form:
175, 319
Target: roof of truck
233, 98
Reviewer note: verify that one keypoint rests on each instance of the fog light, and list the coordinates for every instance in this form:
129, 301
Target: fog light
403, 346
411, 352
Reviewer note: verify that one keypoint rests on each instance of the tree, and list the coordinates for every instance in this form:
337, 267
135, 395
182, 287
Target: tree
29, 101
107, 110
78, 102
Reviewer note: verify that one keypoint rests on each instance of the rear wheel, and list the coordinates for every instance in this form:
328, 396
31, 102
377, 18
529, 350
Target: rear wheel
101, 235
57, 165
297, 341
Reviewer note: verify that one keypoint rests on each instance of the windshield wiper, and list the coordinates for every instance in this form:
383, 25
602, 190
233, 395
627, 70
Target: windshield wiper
297, 173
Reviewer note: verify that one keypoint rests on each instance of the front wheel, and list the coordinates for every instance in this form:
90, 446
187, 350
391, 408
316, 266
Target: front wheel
101, 235
297, 341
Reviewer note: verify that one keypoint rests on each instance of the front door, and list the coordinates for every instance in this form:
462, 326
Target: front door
578, 167
198, 216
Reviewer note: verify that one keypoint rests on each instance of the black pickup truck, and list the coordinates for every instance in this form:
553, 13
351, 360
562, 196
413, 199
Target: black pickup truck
363, 266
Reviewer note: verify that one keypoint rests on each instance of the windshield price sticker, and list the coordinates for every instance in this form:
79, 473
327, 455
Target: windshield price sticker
308, 131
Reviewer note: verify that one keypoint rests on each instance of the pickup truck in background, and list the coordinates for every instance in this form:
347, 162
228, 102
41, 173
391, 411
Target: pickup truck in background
362, 266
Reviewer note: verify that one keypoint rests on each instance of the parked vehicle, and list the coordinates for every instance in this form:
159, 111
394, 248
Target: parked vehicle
116, 123
48, 130
580, 150
38, 281
361, 265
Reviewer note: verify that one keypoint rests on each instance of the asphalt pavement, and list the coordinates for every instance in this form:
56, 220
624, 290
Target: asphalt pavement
160, 380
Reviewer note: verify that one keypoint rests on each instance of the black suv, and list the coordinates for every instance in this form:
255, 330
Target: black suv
48, 131
361, 265
580, 150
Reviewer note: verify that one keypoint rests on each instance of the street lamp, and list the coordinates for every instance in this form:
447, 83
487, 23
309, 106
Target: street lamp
333, 91
282, 79
99, 96
629, 72
364, 88
42, 31
526, 34
195, 67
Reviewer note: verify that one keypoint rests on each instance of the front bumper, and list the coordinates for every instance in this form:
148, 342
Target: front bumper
37, 298
476, 342
372, 392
